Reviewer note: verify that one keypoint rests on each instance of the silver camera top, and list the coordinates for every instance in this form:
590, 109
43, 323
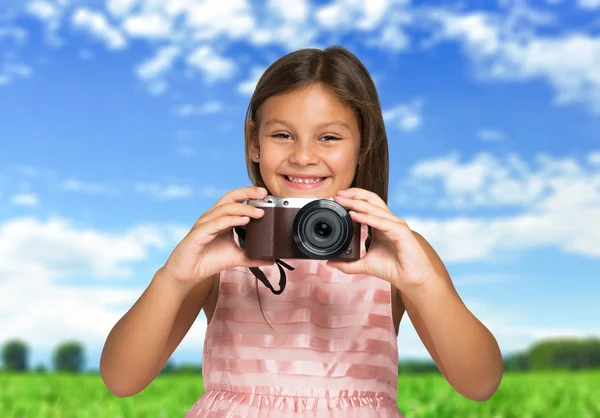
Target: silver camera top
283, 202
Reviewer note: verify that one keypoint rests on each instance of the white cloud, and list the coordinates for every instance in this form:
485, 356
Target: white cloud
19, 35
150, 188
588, 4
332, 16
96, 23
11, 66
214, 67
9, 71
43, 10
161, 62
247, 86
195, 27
147, 26
171, 191
559, 200
406, 117
38, 256
74, 185
505, 50
491, 135
204, 109
503, 45
392, 37
352, 14
212, 18
212, 192
290, 10
594, 158
25, 199
60, 248
120, 7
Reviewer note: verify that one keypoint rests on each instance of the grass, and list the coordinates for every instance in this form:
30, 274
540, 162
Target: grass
551, 394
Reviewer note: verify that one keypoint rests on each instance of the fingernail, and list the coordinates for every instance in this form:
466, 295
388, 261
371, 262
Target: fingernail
261, 189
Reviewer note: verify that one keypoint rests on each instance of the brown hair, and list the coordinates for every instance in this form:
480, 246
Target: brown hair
343, 74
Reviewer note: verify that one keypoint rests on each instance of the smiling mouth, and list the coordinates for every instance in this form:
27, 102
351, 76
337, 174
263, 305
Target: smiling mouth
304, 180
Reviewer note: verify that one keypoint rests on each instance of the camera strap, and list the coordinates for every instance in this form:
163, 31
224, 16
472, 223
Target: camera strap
258, 273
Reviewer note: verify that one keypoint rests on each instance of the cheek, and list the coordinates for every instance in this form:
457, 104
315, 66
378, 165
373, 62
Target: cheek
343, 162
268, 163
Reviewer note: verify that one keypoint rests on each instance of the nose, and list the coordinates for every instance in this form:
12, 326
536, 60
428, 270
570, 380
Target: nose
304, 153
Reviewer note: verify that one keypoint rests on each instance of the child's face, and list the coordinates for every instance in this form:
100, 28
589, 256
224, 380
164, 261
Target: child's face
308, 143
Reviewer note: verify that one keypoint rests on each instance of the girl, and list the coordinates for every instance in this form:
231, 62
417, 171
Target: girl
328, 348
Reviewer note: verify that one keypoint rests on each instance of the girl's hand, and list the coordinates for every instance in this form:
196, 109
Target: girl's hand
209, 247
394, 255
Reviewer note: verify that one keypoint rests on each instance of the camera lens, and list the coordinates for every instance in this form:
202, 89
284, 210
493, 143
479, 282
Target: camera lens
322, 229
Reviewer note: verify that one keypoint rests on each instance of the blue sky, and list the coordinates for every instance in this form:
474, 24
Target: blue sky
121, 122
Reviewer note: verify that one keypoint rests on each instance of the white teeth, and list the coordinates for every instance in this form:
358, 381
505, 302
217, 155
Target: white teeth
304, 180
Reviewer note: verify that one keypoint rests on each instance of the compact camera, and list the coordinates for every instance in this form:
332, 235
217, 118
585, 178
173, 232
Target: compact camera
302, 228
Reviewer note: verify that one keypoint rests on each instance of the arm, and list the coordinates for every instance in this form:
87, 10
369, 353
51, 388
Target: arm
140, 344
464, 350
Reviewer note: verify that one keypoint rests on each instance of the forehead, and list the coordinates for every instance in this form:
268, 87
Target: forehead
313, 105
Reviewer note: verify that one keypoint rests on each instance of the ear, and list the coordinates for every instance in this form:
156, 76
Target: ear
252, 138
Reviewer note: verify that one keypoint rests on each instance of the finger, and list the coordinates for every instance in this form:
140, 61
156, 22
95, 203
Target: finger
366, 207
238, 196
243, 194
395, 231
205, 233
362, 194
348, 267
231, 209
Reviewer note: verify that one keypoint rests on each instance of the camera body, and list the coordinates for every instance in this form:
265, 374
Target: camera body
314, 228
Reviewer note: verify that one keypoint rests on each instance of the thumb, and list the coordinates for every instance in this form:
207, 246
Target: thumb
348, 267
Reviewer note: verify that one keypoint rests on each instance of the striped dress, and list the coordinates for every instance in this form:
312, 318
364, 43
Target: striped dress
332, 351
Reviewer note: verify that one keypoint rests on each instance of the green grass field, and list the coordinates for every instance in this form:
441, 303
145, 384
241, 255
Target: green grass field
552, 394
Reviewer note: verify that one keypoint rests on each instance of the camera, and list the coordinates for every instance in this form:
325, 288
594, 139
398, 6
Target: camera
315, 228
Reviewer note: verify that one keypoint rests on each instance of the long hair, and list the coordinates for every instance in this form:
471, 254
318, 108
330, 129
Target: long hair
340, 71
343, 74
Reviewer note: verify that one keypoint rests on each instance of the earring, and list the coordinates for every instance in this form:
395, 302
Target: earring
257, 156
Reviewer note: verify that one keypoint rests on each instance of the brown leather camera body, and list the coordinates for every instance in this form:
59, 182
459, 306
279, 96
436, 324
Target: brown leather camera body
279, 233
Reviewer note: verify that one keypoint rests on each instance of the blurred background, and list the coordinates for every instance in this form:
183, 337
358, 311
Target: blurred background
121, 122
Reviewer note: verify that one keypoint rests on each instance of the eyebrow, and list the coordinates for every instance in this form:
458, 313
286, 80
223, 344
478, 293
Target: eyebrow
321, 125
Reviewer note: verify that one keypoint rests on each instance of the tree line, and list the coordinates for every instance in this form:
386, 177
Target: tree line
569, 354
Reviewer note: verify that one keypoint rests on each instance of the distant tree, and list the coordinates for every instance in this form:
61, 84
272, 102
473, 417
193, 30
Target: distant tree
69, 357
15, 356
40, 368
572, 354
189, 368
168, 368
517, 362
417, 366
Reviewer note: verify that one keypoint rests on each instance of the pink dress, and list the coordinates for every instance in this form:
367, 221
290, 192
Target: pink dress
332, 351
